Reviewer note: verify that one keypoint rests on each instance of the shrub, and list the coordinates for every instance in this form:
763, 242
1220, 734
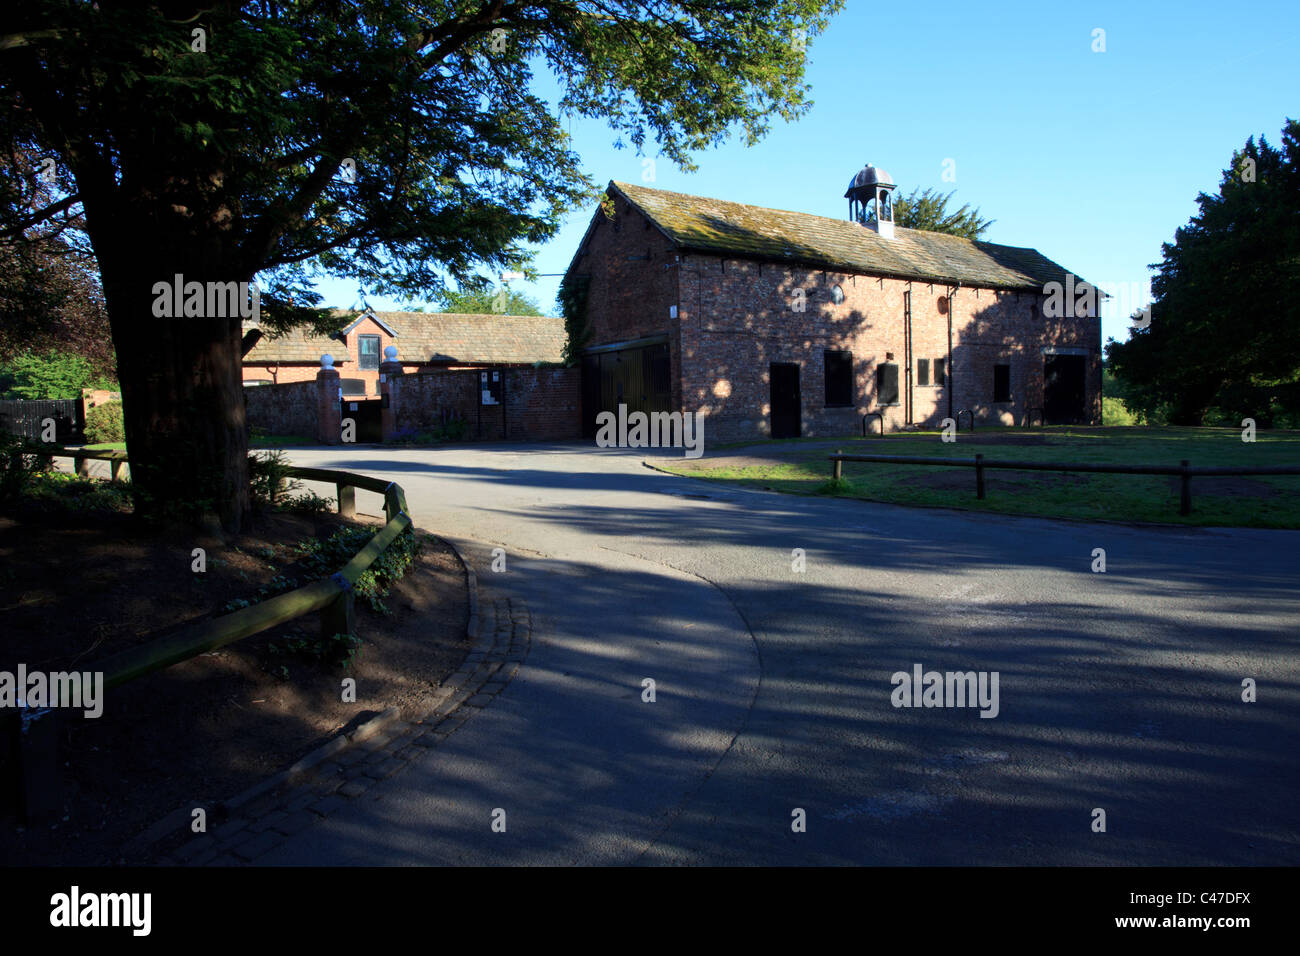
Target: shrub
52, 374
104, 423
268, 477
16, 465
1114, 412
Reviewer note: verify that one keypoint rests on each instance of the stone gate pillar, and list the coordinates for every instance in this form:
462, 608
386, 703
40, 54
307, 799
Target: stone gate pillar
329, 415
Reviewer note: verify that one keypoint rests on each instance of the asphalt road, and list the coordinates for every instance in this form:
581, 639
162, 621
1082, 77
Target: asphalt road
1119, 691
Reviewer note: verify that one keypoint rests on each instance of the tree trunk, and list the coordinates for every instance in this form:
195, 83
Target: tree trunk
182, 398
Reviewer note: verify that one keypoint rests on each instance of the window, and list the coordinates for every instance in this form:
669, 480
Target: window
887, 384
940, 372
353, 386
839, 379
368, 346
922, 371
1002, 383
837, 294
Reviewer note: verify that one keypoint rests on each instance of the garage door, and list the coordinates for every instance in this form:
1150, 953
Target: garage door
636, 377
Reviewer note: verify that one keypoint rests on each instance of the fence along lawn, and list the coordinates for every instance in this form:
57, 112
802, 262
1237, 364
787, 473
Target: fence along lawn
801, 467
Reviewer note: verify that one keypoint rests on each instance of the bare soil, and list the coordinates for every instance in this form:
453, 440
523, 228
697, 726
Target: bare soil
76, 588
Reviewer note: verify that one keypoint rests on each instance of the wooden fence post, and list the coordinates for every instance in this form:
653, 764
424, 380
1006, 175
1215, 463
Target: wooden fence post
837, 469
339, 616
1185, 505
979, 476
347, 500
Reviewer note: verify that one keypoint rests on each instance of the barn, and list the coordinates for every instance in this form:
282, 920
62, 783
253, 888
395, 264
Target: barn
776, 324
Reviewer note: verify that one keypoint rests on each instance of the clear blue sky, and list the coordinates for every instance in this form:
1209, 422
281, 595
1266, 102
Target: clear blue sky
1093, 158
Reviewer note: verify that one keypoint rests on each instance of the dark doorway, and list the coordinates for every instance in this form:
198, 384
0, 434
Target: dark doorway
786, 406
367, 414
1064, 378
640, 378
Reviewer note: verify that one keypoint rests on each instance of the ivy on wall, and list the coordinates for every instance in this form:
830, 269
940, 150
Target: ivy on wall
572, 299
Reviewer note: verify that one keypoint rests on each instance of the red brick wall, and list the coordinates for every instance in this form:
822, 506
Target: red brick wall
630, 298
736, 318
284, 409
542, 404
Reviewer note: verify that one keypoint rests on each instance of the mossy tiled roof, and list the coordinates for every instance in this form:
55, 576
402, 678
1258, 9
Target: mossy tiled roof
735, 229
426, 337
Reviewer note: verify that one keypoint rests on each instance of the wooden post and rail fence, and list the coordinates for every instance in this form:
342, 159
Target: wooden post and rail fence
333, 597
1183, 470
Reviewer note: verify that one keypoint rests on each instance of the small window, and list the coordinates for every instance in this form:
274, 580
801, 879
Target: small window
839, 379
887, 384
368, 346
940, 372
1002, 383
922, 371
837, 294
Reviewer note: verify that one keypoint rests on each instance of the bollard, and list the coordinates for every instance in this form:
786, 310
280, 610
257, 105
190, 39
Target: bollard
347, 500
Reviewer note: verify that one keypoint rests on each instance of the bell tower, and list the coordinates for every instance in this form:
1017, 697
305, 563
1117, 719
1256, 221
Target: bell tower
871, 200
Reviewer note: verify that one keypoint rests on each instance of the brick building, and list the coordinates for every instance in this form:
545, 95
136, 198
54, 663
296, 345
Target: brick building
424, 342
778, 324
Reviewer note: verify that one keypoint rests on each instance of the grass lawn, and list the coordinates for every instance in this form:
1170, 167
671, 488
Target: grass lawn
800, 466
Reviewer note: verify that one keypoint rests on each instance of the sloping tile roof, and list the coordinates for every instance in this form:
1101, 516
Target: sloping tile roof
296, 345
435, 337
731, 228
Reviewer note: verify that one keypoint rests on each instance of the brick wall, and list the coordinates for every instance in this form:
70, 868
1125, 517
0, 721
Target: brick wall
736, 318
284, 409
633, 271
541, 404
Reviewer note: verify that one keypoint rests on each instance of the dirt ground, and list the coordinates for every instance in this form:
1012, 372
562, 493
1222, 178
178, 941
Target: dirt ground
74, 589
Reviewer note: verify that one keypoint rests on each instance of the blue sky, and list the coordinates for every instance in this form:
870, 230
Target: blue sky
1093, 158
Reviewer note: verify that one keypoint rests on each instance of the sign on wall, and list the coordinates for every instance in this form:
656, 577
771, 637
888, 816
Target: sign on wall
490, 384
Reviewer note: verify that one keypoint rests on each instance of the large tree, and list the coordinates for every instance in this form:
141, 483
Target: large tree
395, 143
1224, 325
50, 296
927, 209
480, 299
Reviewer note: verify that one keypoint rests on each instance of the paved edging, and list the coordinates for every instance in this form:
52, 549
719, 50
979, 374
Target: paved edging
259, 819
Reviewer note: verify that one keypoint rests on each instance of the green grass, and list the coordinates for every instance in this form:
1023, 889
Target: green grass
1250, 501
108, 446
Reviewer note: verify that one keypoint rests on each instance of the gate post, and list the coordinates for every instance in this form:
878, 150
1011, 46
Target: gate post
329, 414
389, 370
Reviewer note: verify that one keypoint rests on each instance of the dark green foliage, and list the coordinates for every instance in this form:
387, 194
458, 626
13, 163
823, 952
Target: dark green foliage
49, 374
927, 209
572, 300
1223, 341
337, 650
316, 559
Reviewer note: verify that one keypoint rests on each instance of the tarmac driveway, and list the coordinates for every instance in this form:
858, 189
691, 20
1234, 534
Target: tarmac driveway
775, 687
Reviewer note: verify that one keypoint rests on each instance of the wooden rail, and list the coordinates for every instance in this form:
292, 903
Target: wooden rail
333, 597
1183, 469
